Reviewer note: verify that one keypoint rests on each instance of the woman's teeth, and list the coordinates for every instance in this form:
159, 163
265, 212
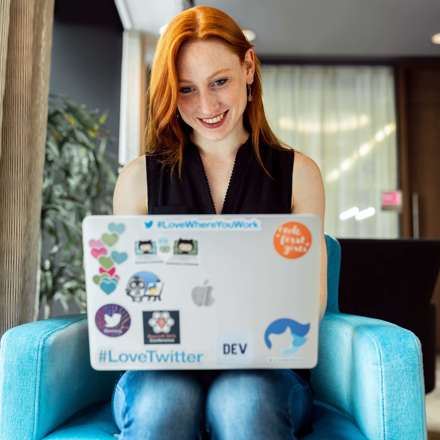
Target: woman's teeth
214, 120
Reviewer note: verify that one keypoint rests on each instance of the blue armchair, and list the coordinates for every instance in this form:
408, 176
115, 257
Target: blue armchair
368, 381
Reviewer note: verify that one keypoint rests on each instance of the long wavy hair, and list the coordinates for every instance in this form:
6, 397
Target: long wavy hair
165, 134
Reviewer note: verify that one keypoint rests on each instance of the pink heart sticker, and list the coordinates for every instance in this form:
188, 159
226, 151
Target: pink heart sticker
95, 244
97, 252
111, 271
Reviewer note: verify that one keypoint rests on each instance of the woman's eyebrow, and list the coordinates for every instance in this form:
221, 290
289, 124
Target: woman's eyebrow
210, 76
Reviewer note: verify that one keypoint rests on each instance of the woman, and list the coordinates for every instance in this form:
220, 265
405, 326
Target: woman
206, 119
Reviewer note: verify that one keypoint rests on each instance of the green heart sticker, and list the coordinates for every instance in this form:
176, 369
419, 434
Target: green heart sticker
98, 278
109, 239
105, 262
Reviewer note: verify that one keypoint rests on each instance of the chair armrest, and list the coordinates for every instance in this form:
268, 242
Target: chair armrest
45, 376
373, 371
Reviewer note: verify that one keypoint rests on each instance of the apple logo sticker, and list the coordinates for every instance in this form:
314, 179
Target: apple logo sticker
202, 295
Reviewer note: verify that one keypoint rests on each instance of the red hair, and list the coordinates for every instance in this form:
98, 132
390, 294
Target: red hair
165, 134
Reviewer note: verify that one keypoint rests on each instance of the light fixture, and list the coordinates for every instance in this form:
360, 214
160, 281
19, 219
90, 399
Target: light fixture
365, 149
379, 136
333, 175
346, 164
250, 35
365, 213
352, 212
436, 38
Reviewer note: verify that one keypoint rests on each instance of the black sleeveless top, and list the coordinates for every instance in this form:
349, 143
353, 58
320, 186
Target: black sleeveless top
250, 190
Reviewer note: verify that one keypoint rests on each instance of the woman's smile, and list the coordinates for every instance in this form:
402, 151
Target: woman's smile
215, 122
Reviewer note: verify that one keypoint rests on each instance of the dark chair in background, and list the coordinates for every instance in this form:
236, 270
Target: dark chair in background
393, 280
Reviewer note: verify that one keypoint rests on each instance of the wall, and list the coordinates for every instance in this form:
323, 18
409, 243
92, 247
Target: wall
419, 110
86, 67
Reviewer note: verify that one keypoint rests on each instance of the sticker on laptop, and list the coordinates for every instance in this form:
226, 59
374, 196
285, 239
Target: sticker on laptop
292, 240
235, 348
285, 336
146, 251
144, 285
202, 294
185, 251
112, 320
161, 327
107, 279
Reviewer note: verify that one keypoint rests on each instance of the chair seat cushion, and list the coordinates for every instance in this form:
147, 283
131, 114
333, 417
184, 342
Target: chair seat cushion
96, 423
329, 423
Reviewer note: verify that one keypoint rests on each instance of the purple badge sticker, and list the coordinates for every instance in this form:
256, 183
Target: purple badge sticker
112, 320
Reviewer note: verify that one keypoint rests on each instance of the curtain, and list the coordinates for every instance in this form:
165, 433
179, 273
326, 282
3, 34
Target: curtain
344, 119
25, 48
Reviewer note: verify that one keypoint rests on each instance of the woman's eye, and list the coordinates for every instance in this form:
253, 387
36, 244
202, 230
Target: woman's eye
220, 82
185, 90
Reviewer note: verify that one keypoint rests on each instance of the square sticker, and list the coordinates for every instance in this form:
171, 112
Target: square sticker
161, 327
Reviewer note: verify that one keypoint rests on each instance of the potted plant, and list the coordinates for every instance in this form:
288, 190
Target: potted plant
79, 178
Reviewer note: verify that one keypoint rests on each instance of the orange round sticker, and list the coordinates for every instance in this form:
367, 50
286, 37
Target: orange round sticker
292, 240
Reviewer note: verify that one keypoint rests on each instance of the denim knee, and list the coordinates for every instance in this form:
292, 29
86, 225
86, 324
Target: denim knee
158, 404
257, 404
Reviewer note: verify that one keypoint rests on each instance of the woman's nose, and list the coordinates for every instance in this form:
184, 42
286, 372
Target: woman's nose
208, 104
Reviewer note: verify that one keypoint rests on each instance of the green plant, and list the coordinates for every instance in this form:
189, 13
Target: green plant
79, 178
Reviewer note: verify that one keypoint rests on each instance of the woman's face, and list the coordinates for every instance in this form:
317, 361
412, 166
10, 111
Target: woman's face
212, 94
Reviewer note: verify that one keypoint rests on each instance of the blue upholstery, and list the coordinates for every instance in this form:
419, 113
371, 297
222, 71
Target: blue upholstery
368, 381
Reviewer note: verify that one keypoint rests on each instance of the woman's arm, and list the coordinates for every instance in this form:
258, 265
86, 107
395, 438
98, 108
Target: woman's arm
308, 197
130, 196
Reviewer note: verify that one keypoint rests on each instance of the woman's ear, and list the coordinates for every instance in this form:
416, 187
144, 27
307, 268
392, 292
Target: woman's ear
249, 64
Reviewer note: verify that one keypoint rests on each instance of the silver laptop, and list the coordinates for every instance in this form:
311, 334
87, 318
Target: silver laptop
202, 291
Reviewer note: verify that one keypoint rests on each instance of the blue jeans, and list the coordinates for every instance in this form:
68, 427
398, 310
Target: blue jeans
229, 404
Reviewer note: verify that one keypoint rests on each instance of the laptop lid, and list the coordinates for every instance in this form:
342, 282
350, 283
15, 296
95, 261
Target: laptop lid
202, 291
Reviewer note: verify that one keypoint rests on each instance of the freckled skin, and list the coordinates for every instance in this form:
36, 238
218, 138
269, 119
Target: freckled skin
208, 97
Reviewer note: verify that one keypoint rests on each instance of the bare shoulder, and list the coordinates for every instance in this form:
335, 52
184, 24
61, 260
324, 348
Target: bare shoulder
130, 194
307, 185
304, 167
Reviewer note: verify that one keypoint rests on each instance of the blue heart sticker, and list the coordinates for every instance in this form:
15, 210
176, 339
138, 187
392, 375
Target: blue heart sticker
118, 228
119, 257
108, 286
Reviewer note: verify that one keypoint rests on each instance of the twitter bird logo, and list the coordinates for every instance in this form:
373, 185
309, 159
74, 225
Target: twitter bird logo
148, 224
112, 320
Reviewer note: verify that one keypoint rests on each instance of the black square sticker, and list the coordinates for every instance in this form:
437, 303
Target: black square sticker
161, 327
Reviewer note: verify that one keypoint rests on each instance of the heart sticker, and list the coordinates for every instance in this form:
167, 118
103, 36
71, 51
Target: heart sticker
118, 228
95, 244
97, 252
98, 278
106, 262
109, 239
108, 286
119, 257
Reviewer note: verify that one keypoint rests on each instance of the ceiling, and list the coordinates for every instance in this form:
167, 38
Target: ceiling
342, 27
292, 28
316, 28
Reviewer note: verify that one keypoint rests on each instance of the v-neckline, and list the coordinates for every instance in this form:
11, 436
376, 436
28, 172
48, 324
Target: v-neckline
231, 182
